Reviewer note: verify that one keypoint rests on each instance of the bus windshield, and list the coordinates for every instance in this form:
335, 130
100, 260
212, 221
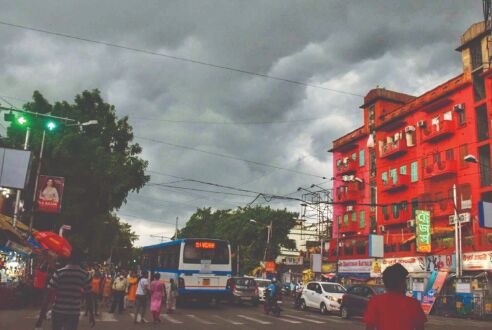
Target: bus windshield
197, 250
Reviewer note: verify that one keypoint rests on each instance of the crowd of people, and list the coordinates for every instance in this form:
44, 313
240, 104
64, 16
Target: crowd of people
102, 288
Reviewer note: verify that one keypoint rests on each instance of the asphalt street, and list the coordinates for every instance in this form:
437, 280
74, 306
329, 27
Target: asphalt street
225, 317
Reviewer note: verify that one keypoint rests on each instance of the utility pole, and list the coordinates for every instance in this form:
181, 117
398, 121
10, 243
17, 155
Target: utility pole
17, 196
457, 235
269, 232
36, 179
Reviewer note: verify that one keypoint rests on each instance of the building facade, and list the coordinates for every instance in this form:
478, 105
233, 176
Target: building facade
408, 156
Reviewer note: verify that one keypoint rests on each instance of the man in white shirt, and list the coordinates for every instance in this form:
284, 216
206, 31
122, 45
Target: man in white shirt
142, 295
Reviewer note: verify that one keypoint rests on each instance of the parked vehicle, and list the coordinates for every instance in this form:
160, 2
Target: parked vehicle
323, 296
354, 302
262, 285
243, 289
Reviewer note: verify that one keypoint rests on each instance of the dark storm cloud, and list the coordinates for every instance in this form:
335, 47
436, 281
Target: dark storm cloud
345, 45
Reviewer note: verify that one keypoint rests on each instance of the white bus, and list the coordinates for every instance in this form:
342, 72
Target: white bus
200, 267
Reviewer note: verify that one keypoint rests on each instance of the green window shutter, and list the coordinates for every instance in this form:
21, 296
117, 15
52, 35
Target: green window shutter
354, 156
361, 157
384, 177
403, 170
354, 216
362, 222
394, 175
345, 219
414, 169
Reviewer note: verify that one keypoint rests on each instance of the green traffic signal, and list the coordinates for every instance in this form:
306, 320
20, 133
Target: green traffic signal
21, 120
51, 125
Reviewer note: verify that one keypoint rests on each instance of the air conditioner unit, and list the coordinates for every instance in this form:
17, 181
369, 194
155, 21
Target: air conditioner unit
382, 229
345, 178
421, 123
411, 223
459, 107
409, 129
350, 208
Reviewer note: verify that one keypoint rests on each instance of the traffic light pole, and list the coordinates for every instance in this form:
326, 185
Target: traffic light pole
17, 196
36, 179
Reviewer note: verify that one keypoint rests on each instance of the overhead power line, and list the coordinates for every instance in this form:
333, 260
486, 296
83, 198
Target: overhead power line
227, 156
238, 123
177, 58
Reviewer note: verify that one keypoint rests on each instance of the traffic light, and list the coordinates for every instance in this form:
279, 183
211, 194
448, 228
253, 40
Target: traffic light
16, 119
50, 125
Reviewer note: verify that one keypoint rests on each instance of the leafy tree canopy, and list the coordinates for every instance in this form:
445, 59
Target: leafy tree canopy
246, 228
100, 164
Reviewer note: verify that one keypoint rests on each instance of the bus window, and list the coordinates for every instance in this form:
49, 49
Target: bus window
196, 251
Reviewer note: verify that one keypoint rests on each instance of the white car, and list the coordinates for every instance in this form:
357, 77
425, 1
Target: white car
262, 285
324, 296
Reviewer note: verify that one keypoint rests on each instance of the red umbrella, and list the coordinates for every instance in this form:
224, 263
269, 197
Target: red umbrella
53, 242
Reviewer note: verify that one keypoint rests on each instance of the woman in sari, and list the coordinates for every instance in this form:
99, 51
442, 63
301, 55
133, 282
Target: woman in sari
157, 294
171, 298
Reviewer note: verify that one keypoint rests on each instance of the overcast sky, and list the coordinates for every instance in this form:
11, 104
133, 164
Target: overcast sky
352, 46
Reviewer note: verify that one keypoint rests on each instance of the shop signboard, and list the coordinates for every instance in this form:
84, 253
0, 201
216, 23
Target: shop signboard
477, 261
328, 267
270, 266
411, 264
376, 246
49, 194
316, 262
464, 217
423, 231
355, 266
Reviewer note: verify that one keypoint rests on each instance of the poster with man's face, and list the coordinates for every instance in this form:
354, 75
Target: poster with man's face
49, 194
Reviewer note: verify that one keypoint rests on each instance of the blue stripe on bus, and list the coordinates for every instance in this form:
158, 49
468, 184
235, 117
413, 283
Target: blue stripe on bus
189, 272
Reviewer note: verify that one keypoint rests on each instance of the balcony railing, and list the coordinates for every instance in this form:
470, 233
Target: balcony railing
392, 218
394, 149
348, 167
440, 169
402, 182
443, 209
351, 195
437, 132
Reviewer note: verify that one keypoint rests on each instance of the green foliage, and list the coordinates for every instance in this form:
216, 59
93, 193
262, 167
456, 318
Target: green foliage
251, 236
100, 165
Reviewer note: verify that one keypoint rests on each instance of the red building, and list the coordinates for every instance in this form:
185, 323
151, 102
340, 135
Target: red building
407, 157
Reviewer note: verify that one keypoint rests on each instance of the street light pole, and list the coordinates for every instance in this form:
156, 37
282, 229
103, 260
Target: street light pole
457, 235
17, 196
36, 181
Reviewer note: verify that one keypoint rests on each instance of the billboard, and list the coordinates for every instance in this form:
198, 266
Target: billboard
376, 246
423, 231
49, 194
485, 214
14, 168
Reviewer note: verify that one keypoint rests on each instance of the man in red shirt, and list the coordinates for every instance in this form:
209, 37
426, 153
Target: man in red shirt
393, 309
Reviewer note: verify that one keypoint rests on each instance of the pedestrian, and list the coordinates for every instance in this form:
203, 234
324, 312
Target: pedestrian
142, 296
107, 283
96, 292
119, 287
157, 294
171, 297
68, 285
393, 309
132, 289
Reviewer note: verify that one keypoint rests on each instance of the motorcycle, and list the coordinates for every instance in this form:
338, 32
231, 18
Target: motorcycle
297, 299
272, 304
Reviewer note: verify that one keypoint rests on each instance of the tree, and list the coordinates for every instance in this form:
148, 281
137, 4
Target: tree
100, 165
237, 227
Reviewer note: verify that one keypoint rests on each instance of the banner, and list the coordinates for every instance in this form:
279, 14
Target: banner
477, 261
411, 264
270, 266
423, 231
294, 261
49, 194
430, 297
